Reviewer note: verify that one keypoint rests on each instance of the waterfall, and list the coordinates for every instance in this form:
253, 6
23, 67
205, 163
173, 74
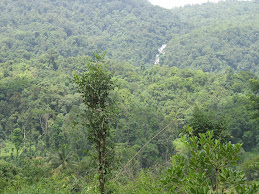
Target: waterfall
161, 51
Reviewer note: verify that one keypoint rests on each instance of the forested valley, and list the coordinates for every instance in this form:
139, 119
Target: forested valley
120, 96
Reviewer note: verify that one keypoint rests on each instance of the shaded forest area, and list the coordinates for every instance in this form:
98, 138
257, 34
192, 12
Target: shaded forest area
207, 80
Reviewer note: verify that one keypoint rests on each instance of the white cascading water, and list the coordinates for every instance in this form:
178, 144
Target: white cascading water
161, 52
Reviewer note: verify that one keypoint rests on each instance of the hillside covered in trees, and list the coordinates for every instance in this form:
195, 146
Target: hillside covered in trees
198, 105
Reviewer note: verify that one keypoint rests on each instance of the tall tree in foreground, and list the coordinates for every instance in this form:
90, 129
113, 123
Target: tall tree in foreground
95, 86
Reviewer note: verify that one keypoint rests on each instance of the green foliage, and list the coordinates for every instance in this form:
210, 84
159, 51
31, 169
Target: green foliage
255, 97
217, 39
215, 48
207, 169
251, 167
61, 159
52, 185
147, 182
95, 86
80, 28
17, 138
180, 147
202, 121
43, 42
8, 174
34, 170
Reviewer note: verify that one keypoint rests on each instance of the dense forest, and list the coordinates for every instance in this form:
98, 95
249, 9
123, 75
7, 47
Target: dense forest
84, 108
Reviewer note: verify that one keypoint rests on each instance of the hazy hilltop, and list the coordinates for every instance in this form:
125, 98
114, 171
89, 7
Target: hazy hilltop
224, 35
129, 30
230, 11
132, 31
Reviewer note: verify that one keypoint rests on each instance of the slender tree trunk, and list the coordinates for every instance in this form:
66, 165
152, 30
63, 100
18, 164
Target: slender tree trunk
101, 178
24, 137
17, 152
217, 180
41, 124
102, 163
46, 123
